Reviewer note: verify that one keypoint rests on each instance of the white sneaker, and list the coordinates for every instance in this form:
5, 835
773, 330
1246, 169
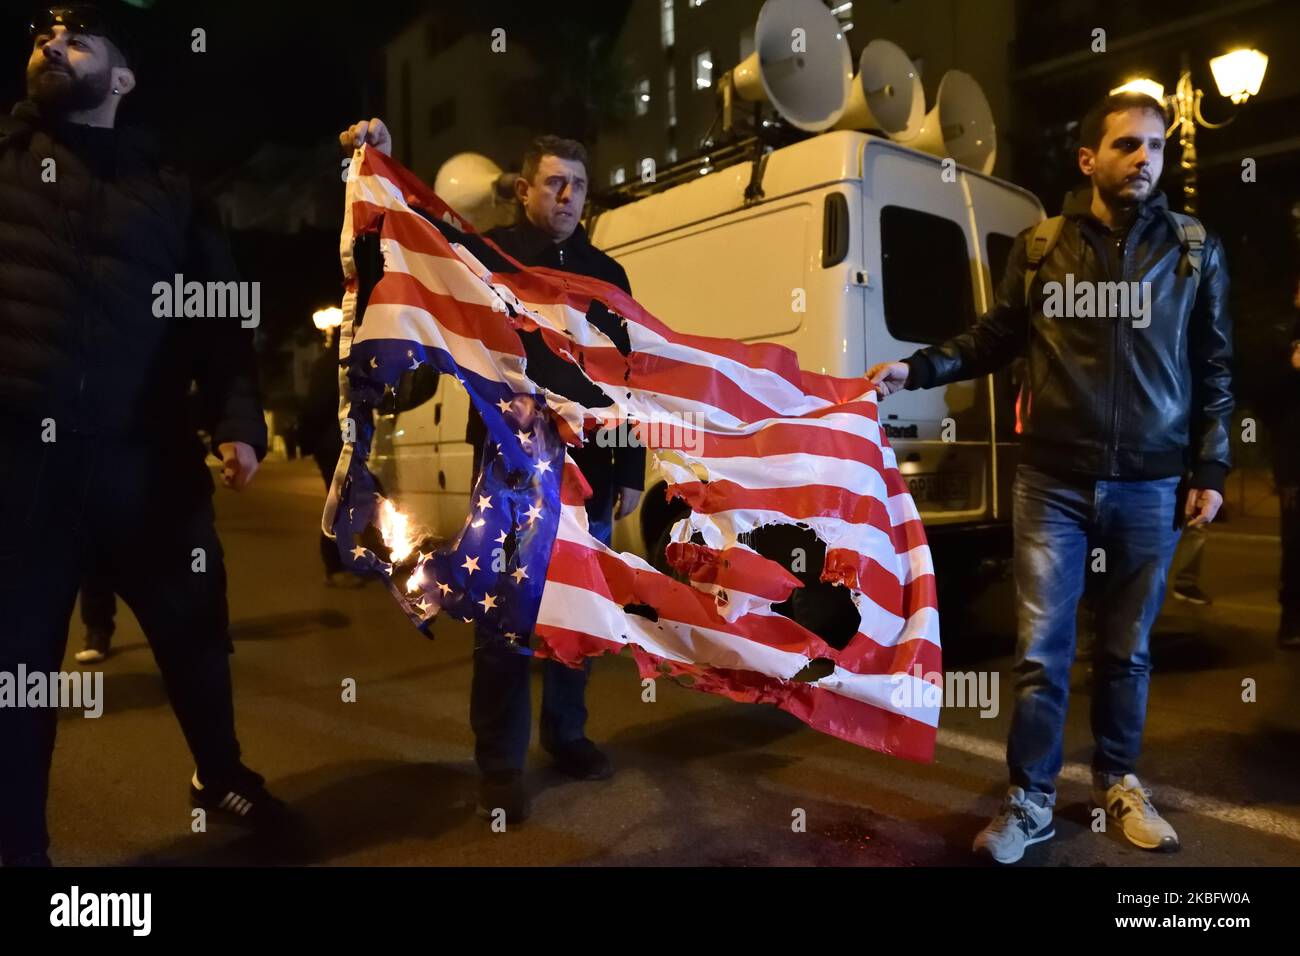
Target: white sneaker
1019, 824
1129, 804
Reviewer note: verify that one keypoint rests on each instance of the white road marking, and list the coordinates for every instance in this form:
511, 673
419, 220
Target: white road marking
1261, 821
1244, 536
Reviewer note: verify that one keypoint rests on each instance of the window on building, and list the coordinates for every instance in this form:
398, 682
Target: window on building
666, 31
925, 276
641, 96
618, 176
670, 95
704, 70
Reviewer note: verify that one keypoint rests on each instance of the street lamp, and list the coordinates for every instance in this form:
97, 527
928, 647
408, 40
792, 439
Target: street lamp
1237, 74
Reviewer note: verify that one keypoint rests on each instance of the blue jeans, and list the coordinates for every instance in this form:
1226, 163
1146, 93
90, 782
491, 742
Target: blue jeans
1059, 523
500, 711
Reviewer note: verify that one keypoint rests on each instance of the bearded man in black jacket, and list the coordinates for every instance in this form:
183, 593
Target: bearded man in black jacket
100, 464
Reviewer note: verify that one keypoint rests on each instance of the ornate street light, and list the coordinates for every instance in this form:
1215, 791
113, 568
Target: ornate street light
1237, 74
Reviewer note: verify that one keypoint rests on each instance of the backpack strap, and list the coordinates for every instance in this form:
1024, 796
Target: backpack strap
1191, 236
1039, 245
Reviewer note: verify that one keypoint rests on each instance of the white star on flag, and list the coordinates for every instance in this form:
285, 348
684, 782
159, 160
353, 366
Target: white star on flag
470, 565
488, 602
519, 574
484, 502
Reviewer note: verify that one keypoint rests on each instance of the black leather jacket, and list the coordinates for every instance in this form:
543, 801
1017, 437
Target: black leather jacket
1101, 397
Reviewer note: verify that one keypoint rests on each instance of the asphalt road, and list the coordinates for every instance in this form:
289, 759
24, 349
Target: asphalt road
389, 779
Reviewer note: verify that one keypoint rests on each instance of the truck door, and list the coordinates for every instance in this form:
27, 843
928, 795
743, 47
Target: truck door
998, 213
920, 290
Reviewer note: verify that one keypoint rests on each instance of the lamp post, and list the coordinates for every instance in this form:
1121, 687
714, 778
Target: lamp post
1237, 74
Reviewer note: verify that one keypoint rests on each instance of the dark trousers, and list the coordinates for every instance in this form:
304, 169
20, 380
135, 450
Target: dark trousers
98, 605
500, 708
326, 461
144, 518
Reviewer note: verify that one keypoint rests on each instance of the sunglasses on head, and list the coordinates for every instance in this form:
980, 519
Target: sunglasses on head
75, 19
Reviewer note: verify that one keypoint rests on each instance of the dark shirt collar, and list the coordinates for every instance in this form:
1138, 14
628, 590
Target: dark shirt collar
532, 242
1078, 205
90, 139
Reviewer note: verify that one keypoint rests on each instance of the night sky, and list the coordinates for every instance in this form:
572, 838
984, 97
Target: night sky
290, 71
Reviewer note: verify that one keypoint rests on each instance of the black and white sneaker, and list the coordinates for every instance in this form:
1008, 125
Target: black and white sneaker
1020, 823
241, 797
503, 792
96, 648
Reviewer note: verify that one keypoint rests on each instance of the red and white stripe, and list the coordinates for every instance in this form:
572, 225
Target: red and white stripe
768, 444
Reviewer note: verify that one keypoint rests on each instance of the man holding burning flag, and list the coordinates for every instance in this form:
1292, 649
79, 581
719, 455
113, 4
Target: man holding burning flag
769, 445
551, 191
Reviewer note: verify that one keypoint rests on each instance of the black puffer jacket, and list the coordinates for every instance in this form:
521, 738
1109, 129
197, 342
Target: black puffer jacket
79, 258
1101, 397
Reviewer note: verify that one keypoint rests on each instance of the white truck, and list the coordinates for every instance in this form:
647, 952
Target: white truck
858, 250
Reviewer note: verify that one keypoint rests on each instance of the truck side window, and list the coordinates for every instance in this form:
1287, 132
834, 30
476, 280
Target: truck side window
926, 272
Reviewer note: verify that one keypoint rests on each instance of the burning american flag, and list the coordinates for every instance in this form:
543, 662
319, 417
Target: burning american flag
757, 443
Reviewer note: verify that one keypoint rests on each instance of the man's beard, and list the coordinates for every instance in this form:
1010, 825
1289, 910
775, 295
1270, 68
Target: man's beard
58, 91
1114, 194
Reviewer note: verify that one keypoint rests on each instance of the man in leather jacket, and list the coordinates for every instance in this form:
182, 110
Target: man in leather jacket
1118, 413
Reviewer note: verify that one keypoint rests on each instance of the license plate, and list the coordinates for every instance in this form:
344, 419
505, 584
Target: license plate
950, 488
